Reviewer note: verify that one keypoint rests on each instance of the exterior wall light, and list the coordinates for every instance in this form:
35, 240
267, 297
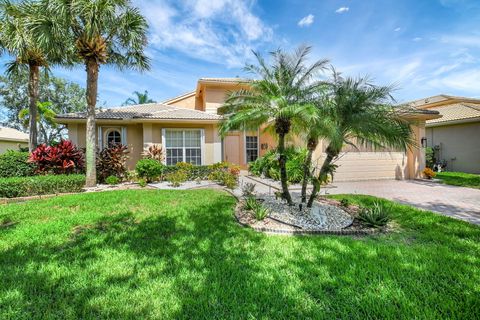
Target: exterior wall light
424, 142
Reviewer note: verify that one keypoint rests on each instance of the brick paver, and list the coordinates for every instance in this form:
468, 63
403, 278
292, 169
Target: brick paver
457, 202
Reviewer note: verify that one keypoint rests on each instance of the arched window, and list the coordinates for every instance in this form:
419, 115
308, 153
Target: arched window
114, 137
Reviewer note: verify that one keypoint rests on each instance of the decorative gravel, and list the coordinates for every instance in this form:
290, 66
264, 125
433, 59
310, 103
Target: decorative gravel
321, 216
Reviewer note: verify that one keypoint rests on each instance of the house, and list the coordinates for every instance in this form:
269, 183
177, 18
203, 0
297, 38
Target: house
455, 137
12, 139
187, 128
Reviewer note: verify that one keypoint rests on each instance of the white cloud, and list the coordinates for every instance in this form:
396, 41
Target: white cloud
342, 9
465, 80
417, 39
219, 31
397, 29
306, 21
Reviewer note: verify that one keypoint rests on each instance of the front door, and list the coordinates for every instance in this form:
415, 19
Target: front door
232, 148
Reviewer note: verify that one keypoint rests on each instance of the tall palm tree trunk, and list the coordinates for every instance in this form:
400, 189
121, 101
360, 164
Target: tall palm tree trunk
282, 162
311, 146
33, 79
91, 142
322, 176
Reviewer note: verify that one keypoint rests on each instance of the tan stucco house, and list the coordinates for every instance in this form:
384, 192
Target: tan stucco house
187, 128
12, 139
455, 136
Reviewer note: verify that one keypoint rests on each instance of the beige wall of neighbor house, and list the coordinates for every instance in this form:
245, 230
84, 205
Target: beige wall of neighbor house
11, 145
459, 145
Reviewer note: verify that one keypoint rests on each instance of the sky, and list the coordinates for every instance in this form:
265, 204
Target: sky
423, 47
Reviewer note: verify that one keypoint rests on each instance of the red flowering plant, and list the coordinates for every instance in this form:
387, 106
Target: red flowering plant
63, 158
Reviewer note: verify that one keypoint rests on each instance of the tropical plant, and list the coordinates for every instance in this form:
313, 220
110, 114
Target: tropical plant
47, 125
101, 32
64, 96
111, 161
282, 96
62, 158
17, 39
248, 189
268, 166
177, 178
140, 98
149, 169
260, 212
376, 216
250, 203
155, 152
363, 113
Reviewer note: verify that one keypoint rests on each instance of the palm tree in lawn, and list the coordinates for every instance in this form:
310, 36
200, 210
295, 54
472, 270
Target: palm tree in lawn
17, 40
363, 114
141, 98
102, 32
280, 98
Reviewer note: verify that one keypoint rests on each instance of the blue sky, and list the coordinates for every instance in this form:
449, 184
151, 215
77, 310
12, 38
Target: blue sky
426, 47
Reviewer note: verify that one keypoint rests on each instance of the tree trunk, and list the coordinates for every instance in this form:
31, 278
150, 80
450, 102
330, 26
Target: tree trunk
32, 105
311, 146
331, 154
91, 139
282, 161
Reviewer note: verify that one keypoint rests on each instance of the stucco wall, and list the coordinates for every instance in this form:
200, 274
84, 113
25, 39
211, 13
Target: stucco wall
10, 145
460, 142
214, 98
187, 102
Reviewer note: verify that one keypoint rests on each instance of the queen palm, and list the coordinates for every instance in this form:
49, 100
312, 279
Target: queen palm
101, 32
363, 114
280, 97
17, 40
140, 98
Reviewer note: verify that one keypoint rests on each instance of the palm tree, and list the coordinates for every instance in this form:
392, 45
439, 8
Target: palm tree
364, 114
281, 97
141, 98
49, 130
17, 40
101, 32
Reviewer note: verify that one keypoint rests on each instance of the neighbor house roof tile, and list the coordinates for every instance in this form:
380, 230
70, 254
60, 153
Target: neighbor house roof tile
456, 112
11, 134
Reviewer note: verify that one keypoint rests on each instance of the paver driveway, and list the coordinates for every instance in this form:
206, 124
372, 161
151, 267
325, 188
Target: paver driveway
458, 202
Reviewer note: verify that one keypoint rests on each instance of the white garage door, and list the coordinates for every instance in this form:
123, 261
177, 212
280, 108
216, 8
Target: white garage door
370, 166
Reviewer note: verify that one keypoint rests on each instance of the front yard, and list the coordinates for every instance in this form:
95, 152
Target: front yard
180, 254
460, 179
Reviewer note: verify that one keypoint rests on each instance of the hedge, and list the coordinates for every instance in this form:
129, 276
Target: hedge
15, 164
39, 185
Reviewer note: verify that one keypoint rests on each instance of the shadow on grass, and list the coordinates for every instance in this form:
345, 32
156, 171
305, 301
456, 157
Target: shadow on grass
196, 262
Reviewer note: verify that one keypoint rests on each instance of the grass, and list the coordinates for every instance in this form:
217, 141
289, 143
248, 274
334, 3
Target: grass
460, 179
180, 254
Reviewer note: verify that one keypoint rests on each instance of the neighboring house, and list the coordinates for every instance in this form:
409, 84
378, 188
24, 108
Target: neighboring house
187, 128
12, 139
455, 137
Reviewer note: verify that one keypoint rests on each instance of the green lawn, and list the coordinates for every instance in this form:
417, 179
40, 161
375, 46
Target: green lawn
180, 254
460, 179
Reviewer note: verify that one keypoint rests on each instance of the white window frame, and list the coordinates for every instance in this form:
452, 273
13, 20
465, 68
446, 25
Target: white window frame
245, 144
103, 135
184, 153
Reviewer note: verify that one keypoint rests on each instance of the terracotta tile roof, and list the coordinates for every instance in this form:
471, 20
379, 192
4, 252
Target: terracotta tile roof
229, 80
146, 111
11, 134
456, 112
425, 102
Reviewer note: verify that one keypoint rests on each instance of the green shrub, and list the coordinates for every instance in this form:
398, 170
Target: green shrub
268, 164
260, 212
248, 189
15, 164
177, 178
376, 216
149, 169
251, 203
112, 180
38, 185
142, 183
224, 177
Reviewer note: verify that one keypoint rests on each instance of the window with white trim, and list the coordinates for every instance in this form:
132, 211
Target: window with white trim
111, 135
183, 145
114, 137
251, 148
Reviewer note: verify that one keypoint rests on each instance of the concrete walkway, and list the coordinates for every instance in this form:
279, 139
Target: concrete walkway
458, 202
